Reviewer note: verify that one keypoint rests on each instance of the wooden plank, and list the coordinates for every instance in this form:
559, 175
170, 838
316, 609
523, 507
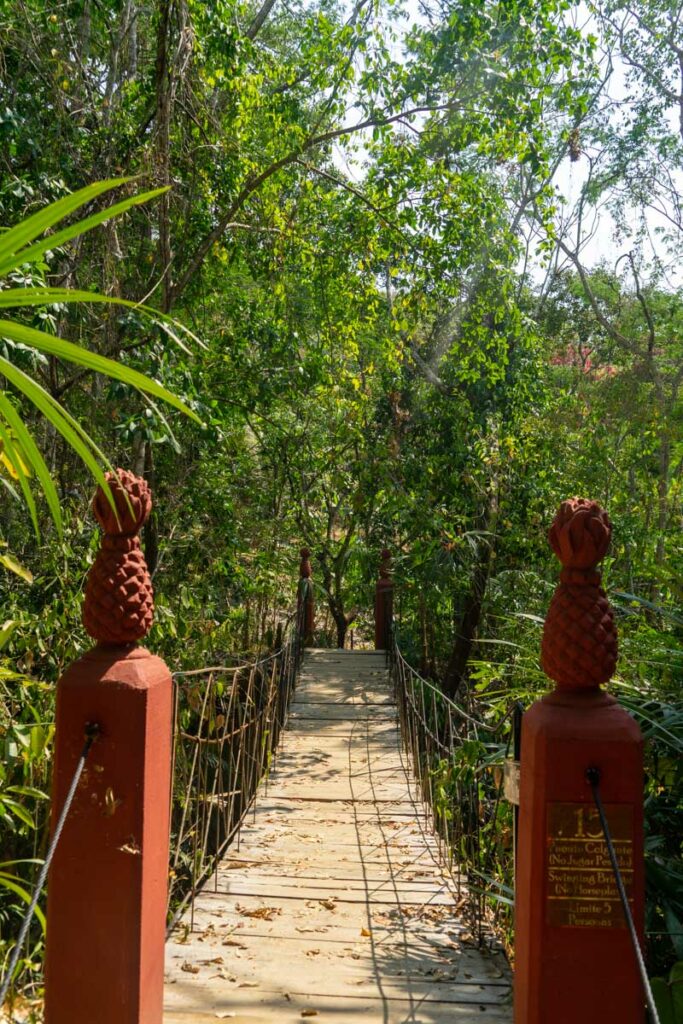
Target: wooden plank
334, 898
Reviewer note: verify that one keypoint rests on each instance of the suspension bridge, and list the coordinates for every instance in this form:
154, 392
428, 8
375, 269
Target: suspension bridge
336, 901
334, 822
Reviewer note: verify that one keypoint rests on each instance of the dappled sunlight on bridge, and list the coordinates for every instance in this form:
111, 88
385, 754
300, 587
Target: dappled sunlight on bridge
335, 900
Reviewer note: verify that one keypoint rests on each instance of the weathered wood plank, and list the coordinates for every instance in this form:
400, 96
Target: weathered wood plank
335, 898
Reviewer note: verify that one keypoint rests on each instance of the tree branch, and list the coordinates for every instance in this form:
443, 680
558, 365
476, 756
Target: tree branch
253, 183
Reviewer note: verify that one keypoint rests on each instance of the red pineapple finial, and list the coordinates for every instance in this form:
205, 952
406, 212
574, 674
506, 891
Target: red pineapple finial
305, 570
385, 564
579, 648
119, 602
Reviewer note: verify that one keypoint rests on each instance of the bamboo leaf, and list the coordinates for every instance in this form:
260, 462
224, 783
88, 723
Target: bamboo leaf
20, 470
91, 360
15, 238
68, 427
34, 458
34, 252
14, 298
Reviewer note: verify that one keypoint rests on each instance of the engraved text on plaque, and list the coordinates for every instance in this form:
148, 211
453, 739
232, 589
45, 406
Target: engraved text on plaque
581, 891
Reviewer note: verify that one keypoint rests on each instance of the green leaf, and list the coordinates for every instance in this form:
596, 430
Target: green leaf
18, 810
6, 631
34, 252
34, 458
83, 357
663, 1002
676, 986
37, 794
18, 464
19, 570
9, 882
20, 235
8, 486
68, 427
13, 298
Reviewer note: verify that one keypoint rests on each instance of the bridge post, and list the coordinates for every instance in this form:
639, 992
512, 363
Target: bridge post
305, 598
107, 885
384, 603
574, 958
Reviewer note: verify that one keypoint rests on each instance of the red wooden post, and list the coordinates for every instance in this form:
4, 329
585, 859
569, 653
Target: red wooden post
108, 881
384, 603
574, 961
305, 597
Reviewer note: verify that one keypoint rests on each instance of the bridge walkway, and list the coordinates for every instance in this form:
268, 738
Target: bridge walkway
335, 905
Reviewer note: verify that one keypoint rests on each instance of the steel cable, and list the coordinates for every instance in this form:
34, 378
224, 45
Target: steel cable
91, 732
593, 777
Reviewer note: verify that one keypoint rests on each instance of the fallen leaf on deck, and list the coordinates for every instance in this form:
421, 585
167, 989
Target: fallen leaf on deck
309, 1013
366, 933
263, 913
190, 968
328, 905
233, 942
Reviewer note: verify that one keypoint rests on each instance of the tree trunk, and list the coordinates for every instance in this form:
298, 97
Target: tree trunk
474, 602
663, 475
151, 528
342, 626
424, 654
245, 625
163, 124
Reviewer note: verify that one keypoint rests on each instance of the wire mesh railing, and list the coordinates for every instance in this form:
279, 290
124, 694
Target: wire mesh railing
458, 765
227, 723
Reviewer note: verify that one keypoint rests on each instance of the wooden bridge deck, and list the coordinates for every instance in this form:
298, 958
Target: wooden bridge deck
335, 905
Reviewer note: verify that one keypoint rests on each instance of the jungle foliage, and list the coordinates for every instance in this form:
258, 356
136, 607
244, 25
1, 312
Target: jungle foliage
412, 269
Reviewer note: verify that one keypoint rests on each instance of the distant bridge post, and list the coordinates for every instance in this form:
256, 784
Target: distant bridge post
384, 603
305, 597
107, 885
575, 961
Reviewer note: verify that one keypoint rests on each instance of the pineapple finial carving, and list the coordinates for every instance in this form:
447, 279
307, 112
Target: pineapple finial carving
305, 570
579, 647
119, 602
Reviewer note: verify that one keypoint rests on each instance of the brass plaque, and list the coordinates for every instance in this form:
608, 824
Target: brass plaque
580, 887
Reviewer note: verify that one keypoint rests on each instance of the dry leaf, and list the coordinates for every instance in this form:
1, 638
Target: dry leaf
233, 942
366, 933
328, 905
262, 913
190, 968
309, 1013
